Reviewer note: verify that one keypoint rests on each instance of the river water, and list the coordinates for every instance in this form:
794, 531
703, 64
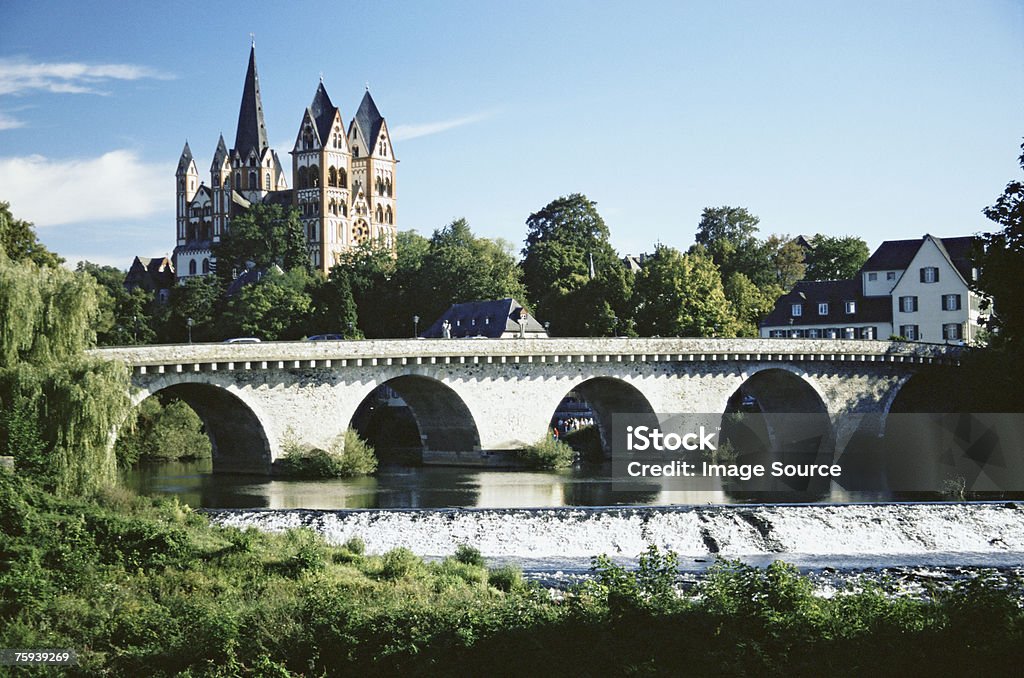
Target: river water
551, 524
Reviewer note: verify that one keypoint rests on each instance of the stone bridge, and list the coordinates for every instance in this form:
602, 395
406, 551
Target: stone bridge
470, 397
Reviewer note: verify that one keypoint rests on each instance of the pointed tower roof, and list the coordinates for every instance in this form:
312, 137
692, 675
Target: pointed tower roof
322, 111
185, 160
368, 119
251, 133
220, 155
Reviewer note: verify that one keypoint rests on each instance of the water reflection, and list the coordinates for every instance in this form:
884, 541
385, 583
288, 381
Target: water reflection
441, 487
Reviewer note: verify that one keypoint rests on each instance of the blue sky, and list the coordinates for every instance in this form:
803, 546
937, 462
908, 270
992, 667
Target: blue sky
879, 119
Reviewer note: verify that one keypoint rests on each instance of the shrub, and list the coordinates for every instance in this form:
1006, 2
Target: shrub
400, 562
507, 578
586, 441
355, 545
548, 454
348, 455
469, 555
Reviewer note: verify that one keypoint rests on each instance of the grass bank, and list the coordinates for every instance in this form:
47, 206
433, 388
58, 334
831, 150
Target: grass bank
141, 587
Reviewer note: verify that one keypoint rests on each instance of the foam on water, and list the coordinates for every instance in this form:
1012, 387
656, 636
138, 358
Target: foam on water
855, 532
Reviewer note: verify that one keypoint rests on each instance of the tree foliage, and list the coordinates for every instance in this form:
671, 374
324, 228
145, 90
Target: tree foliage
19, 242
681, 295
261, 237
126, 316
1001, 260
835, 258
572, 272
57, 407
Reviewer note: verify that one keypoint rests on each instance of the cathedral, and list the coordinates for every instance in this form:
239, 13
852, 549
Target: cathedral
343, 181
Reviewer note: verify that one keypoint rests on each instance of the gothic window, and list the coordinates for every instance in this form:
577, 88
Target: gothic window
252, 181
314, 176
332, 177
303, 178
342, 179
192, 267
344, 210
216, 181
307, 138
380, 214
355, 151
387, 186
206, 266
389, 216
380, 186
268, 181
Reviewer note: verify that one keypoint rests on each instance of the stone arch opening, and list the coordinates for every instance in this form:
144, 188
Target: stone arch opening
237, 437
777, 416
417, 419
583, 418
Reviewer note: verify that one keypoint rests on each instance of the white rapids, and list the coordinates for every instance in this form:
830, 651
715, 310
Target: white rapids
841, 533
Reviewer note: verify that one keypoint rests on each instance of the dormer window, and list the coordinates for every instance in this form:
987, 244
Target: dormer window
797, 310
851, 307
822, 309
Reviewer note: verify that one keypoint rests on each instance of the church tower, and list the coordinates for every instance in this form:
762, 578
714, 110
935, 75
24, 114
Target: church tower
373, 176
187, 181
255, 166
220, 180
321, 166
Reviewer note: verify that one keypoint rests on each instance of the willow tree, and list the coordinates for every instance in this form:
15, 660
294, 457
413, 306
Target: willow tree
58, 407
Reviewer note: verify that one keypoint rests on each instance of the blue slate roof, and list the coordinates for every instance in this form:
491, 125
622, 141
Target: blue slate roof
490, 319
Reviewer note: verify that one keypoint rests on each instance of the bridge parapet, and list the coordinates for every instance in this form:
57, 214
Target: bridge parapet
387, 352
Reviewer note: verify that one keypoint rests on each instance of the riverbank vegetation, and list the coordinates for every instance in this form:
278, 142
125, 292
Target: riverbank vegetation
348, 455
162, 431
143, 587
547, 454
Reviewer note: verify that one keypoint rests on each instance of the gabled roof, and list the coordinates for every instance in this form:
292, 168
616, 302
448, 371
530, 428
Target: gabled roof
185, 160
490, 319
835, 293
896, 255
322, 111
220, 155
150, 273
283, 198
368, 121
252, 132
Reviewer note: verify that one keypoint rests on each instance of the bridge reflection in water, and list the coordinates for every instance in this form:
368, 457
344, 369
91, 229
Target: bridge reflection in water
434, 487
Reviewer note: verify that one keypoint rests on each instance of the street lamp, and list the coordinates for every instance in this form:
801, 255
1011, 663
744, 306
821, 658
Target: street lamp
615, 325
547, 327
415, 326
189, 322
135, 320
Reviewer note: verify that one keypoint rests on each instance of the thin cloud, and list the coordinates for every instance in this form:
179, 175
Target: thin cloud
18, 76
116, 185
405, 132
8, 122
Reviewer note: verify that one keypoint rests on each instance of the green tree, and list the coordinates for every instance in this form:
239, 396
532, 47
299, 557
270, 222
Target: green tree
278, 307
126, 317
786, 259
750, 303
262, 236
681, 295
1001, 260
572, 272
729, 235
835, 258
57, 407
460, 267
198, 298
333, 308
19, 242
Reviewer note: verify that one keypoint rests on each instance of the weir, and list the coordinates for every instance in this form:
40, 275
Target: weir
837, 533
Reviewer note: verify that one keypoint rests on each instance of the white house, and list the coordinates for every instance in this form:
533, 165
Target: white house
916, 289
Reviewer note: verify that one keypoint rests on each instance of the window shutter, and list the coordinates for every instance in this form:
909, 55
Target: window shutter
915, 304
922, 275
936, 274
958, 302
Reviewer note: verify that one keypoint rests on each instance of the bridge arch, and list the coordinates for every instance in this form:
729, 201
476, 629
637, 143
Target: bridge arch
602, 397
237, 432
777, 414
417, 411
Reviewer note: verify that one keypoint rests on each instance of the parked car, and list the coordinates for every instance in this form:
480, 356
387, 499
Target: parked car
242, 340
325, 337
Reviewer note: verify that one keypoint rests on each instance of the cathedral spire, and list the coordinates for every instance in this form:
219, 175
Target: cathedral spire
252, 132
